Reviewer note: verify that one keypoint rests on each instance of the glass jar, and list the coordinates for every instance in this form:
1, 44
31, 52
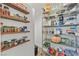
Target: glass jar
6, 44
6, 12
0, 8
13, 42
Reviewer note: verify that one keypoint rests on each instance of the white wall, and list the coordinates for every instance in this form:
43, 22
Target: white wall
38, 26
37, 17
38, 32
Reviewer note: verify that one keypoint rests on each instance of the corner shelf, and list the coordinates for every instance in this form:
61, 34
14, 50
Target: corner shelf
3, 33
2, 50
17, 7
15, 18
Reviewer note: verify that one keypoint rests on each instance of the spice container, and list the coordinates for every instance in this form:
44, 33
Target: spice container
20, 28
17, 29
24, 38
21, 40
2, 45
5, 44
24, 29
8, 29
25, 18
12, 29
18, 15
4, 28
0, 8
13, 42
6, 12
18, 41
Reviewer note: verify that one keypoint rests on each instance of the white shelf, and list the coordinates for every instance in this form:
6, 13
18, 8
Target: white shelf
60, 45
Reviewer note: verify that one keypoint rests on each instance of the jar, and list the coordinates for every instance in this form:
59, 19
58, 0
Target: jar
13, 42
0, 8
6, 12
8, 29
24, 29
21, 40
6, 44
2, 45
18, 29
24, 38
15, 29
5, 28
25, 18
12, 29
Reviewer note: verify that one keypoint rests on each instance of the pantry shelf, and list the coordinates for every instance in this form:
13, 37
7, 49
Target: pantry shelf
54, 45
3, 33
2, 50
15, 18
17, 7
62, 26
62, 45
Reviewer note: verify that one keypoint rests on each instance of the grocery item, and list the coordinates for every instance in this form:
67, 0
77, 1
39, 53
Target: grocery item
70, 52
69, 31
17, 29
5, 29
6, 11
1, 24
61, 20
72, 43
5, 44
8, 29
59, 52
46, 44
56, 39
51, 51
47, 8
24, 38
13, 29
0, 9
58, 30
13, 42
25, 18
18, 15
24, 28
66, 41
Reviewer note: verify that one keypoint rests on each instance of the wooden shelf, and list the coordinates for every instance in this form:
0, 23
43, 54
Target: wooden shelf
17, 7
3, 33
15, 18
2, 50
